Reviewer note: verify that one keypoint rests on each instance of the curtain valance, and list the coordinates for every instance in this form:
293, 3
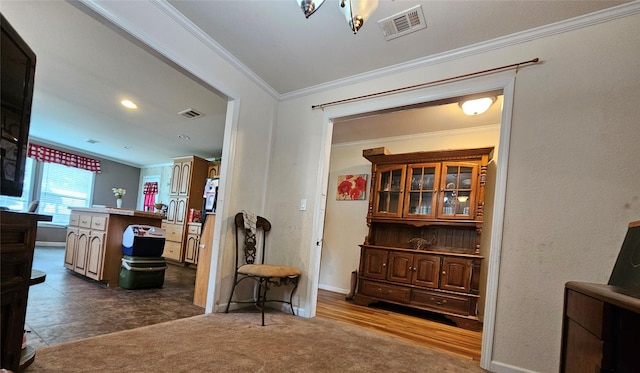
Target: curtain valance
44, 154
150, 188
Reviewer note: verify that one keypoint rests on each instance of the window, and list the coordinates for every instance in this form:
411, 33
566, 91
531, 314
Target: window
62, 187
21, 203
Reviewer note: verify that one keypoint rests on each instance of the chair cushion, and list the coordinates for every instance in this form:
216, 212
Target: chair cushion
267, 270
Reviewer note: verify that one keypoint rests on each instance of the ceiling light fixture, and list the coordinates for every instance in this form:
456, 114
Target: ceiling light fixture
309, 6
477, 106
355, 11
184, 137
129, 104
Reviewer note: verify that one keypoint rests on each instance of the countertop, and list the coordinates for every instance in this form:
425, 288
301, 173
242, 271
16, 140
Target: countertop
117, 211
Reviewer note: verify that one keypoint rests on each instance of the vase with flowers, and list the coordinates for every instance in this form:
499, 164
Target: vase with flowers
119, 192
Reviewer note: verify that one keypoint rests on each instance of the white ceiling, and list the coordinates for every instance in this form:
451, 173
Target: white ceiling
84, 67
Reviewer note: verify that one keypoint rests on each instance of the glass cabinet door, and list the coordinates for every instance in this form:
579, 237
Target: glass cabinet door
457, 190
421, 190
389, 192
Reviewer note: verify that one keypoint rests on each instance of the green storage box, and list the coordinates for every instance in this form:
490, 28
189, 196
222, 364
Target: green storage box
141, 272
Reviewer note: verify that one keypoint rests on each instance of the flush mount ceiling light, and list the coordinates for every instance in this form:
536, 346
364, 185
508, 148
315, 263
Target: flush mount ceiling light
129, 104
184, 137
355, 11
477, 106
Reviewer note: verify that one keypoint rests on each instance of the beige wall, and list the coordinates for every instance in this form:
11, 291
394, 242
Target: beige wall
164, 187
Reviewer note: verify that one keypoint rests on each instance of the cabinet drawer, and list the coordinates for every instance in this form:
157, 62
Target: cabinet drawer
194, 228
84, 221
99, 222
172, 250
385, 291
173, 232
586, 311
440, 301
74, 220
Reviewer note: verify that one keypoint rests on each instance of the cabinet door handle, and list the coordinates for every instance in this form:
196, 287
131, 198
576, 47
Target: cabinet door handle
415, 269
444, 272
384, 264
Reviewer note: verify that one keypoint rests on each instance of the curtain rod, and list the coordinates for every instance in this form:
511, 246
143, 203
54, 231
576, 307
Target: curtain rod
516, 65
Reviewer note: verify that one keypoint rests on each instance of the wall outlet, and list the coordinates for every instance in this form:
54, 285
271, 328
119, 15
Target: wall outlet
303, 204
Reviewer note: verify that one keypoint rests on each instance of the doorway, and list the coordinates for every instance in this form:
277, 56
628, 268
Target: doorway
492, 232
429, 127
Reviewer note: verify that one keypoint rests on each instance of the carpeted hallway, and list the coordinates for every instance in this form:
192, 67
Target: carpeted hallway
236, 342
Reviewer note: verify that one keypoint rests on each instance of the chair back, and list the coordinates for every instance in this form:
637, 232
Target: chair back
247, 249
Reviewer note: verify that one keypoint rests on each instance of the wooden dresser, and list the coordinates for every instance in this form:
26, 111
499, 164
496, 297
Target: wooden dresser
601, 329
17, 242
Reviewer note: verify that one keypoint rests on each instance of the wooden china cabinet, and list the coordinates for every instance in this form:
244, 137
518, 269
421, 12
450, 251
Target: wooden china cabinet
425, 222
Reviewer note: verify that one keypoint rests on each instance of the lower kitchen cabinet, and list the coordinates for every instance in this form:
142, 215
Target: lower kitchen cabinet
94, 240
192, 243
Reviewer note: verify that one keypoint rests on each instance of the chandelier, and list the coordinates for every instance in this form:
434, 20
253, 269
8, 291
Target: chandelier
355, 11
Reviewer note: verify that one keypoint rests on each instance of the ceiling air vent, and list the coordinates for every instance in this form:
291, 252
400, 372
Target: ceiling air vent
403, 23
191, 113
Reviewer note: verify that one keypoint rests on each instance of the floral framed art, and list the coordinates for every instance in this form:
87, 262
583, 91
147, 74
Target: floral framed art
351, 187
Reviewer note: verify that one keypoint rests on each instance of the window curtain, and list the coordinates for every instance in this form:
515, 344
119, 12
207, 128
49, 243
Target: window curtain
150, 189
44, 154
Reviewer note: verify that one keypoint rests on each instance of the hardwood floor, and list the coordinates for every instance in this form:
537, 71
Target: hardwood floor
410, 325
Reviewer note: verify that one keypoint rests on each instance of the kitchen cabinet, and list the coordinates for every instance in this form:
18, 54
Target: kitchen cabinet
93, 245
187, 189
213, 170
425, 221
84, 246
205, 249
193, 242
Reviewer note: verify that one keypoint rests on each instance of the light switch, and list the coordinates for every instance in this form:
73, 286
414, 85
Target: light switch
303, 204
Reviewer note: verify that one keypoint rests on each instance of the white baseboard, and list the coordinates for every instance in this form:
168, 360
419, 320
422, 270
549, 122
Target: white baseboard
333, 289
499, 367
274, 305
49, 244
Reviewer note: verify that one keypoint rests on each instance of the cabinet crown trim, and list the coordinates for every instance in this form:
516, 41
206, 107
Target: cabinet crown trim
383, 156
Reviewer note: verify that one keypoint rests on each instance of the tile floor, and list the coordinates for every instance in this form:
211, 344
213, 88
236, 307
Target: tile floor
68, 307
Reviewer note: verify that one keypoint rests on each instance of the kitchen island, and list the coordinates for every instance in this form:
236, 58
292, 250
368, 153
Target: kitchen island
93, 245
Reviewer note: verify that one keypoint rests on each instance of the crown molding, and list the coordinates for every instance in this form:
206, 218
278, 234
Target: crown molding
575, 23
214, 45
605, 15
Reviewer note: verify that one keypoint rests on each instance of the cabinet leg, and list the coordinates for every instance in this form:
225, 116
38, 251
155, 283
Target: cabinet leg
354, 281
461, 322
363, 300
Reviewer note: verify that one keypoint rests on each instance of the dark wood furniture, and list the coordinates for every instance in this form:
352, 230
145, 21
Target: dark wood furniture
425, 221
17, 242
601, 329
601, 323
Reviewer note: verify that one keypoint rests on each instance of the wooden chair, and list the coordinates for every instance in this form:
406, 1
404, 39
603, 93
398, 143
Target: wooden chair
252, 265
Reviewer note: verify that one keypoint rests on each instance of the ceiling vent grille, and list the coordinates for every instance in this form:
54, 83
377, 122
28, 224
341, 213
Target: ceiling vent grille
191, 113
403, 23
